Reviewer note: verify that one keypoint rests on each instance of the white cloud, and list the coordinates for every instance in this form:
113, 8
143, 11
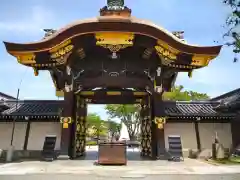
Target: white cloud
35, 21
11, 71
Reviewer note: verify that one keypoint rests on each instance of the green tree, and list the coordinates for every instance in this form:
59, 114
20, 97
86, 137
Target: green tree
97, 125
114, 128
233, 22
178, 94
198, 96
128, 114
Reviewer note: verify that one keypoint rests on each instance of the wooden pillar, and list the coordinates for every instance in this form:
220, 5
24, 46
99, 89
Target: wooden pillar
159, 112
67, 134
153, 129
80, 134
146, 127
161, 152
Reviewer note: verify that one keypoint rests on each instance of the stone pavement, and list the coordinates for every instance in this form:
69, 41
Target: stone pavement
147, 177
133, 169
136, 167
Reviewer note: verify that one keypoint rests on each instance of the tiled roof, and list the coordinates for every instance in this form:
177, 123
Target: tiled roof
194, 108
228, 100
3, 95
33, 107
227, 95
52, 108
3, 106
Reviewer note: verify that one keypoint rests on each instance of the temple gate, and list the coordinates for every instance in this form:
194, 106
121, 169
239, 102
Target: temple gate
113, 59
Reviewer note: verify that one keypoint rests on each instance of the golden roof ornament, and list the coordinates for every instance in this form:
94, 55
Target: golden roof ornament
115, 4
115, 8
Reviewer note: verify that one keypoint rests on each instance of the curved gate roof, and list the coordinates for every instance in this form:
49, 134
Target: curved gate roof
120, 22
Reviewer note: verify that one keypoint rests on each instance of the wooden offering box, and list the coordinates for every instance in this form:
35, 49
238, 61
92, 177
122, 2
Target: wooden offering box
112, 153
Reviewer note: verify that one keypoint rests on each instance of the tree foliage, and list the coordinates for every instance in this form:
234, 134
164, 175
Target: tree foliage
128, 114
178, 94
114, 128
96, 126
233, 22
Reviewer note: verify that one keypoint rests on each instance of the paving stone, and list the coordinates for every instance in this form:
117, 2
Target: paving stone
133, 168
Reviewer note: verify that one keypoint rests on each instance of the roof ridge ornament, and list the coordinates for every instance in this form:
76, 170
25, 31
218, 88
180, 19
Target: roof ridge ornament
48, 32
115, 8
115, 4
179, 34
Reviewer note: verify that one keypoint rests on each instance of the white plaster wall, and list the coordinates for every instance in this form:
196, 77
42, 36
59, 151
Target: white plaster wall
6, 132
39, 130
185, 130
207, 134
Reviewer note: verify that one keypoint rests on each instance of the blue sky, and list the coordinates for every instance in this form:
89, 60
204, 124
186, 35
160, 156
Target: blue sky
202, 21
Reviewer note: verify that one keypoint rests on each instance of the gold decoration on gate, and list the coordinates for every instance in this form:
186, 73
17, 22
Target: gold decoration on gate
26, 58
61, 52
165, 51
114, 48
168, 47
63, 59
65, 125
114, 41
35, 71
190, 74
87, 93
59, 93
160, 121
60, 46
201, 59
113, 93
114, 38
66, 121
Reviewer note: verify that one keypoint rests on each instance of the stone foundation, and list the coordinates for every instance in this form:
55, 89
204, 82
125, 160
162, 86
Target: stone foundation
21, 154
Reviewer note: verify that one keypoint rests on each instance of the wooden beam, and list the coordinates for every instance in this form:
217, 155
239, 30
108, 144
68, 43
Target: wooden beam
122, 82
114, 93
